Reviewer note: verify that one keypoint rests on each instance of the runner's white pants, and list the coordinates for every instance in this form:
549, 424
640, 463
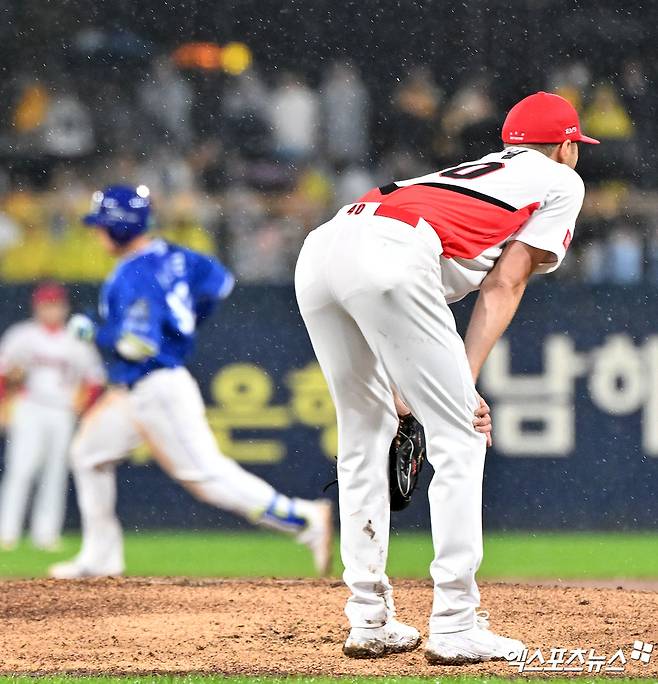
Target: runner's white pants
369, 290
166, 410
36, 458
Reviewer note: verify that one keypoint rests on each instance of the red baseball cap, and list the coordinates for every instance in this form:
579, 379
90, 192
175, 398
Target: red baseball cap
543, 118
50, 292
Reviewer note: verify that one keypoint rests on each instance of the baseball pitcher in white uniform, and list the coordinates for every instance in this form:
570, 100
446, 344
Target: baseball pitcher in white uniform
47, 375
373, 286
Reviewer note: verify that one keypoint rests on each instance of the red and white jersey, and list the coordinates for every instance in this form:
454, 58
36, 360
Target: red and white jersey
476, 208
55, 363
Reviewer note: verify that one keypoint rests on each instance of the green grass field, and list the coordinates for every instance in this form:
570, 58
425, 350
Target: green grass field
520, 555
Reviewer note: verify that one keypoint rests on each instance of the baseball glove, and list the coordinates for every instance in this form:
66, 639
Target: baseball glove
406, 457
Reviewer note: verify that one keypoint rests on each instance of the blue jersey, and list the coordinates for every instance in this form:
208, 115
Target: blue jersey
156, 298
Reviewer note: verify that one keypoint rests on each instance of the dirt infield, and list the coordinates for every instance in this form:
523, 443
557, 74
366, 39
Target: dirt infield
281, 626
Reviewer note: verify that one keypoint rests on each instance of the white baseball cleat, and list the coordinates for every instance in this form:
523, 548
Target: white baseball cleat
68, 570
374, 642
318, 534
473, 645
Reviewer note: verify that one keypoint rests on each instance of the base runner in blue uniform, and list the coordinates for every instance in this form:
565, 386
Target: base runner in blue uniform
150, 308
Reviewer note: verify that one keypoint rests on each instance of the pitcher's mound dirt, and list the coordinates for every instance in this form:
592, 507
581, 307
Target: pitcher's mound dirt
282, 626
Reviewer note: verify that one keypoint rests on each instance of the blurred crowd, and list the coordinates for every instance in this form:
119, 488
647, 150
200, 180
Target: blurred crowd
245, 165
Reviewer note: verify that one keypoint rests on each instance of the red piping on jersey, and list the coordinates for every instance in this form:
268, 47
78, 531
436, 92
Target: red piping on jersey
398, 214
467, 223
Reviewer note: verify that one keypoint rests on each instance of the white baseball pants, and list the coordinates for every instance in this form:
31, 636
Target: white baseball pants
166, 410
369, 290
36, 458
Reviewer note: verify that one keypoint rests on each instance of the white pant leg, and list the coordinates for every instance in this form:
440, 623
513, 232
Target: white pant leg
386, 275
367, 423
425, 359
171, 414
49, 506
408, 323
23, 456
106, 435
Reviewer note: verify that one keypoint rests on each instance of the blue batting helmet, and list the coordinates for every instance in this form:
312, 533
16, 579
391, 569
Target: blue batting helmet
122, 211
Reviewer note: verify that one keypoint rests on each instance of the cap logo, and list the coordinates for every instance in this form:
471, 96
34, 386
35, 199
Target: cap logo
516, 136
120, 214
570, 130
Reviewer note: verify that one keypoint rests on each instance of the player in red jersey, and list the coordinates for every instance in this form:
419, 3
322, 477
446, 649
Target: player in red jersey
373, 286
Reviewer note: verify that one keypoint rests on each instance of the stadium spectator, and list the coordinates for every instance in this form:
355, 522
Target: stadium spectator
116, 119
470, 122
27, 258
623, 256
10, 233
200, 138
345, 106
66, 129
651, 272
606, 115
244, 106
166, 99
350, 182
593, 263
31, 105
183, 224
295, 118
165, 171
641, 102
570, 80
267, 253
207, 161
413, 119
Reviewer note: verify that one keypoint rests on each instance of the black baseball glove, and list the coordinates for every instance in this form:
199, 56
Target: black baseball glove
406, 457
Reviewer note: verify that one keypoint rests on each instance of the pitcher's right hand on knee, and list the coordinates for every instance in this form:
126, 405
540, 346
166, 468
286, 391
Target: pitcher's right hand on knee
482, 421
